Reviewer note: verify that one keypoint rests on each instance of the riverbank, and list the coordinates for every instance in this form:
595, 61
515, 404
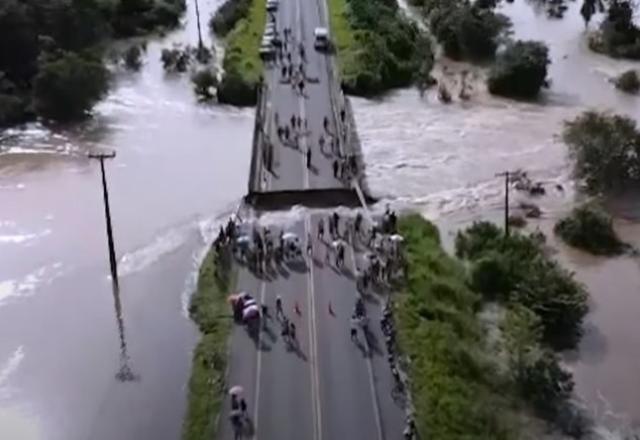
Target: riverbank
209, 310
242, 65
378, 48
453, 391
481, 365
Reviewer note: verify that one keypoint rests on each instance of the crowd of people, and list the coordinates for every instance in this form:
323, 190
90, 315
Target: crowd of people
291, 59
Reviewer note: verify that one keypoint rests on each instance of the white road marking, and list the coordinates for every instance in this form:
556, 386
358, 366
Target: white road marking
256, 413
313, 346
372, 386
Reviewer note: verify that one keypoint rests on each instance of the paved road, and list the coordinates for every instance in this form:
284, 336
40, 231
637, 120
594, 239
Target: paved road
290, 171
329, 388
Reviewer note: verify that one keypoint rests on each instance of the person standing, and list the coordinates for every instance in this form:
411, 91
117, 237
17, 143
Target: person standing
279, 311
308, 158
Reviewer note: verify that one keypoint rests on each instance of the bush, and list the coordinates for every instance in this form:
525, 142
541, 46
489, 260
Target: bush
591, 229
176, 59
235, 90
133, 57
520, 70
467, 31
453, 384
66, 88
618, 35
378, 47
228, 15
628, 81
519, 265
605, 149
204, 81
490, 276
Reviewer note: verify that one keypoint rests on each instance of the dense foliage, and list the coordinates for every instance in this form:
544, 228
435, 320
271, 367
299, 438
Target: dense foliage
242, 65
34, 33
466, 30
455, 388
628, 81
618, 35
516, 271
210, 311
590, 228
204, 81
66, 87
378, 47
606, 150
520, 70
228, 15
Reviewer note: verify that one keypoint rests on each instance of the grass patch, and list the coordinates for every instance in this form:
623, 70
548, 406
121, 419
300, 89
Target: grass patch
378, 47
210, 311
343, 38
455, 389
242, 64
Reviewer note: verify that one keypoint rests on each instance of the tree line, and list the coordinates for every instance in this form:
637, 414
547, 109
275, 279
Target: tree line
51, 51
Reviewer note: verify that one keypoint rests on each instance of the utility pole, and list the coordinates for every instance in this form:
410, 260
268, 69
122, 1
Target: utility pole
506, 175
107, 214
200, 45
125, 373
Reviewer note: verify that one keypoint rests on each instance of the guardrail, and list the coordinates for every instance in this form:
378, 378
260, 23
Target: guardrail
255, 173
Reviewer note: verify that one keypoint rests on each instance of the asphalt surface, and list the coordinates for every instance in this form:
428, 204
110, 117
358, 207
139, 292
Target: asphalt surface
326, 386
323, 386
289, 170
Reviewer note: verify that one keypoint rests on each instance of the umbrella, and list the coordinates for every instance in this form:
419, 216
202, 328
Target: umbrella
337, 243
397, 237
244, 295
235, 390
250, 312
289, 236
243, 239
249, 302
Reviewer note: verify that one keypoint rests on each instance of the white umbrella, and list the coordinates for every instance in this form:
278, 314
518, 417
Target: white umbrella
337, 243
289, 236
397, 237
243, 239
249, 302
244, 295
250, 312
235, 390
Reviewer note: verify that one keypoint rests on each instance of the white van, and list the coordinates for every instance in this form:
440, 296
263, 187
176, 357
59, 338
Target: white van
321, 38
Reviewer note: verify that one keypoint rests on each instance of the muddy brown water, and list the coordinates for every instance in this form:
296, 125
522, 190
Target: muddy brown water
182, 166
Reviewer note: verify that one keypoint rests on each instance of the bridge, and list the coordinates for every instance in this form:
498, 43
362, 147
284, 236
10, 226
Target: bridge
326, 387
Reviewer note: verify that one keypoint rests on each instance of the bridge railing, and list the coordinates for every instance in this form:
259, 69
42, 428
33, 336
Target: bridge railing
256, 167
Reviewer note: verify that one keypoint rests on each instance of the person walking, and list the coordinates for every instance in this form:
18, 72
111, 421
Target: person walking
279, 311
335, 168
308, 158
321, 229
243, 407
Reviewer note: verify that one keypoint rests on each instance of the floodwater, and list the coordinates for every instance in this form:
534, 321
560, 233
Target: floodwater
443, 159
66, 341
181, 167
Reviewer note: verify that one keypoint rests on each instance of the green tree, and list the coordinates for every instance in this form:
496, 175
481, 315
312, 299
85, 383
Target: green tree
628, 81
18, 42
204, 81
520, 70
590, 228
605, 149
522, 333
66, 88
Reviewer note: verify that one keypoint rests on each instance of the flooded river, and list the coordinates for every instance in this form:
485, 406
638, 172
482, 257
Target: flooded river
181, 166
443, 159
